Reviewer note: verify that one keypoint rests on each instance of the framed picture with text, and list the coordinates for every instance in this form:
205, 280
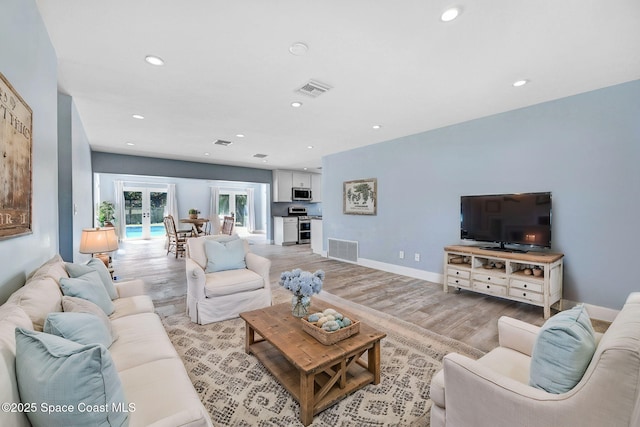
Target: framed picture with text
360, 197
15, 162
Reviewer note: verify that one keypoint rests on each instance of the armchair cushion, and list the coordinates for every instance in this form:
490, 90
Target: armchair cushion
563, 351
223, 256
232, 282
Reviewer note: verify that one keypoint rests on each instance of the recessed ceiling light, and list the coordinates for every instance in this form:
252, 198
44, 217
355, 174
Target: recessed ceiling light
296, 104
154, 60
207, 154
130, 143
520, 83
240, 135
138, 116
450, 14
298, 49
376, 126
309, 147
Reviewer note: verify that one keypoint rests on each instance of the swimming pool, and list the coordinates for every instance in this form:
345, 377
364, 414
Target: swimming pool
135, 231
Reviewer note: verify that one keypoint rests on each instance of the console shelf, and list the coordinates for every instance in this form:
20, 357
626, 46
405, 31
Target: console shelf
532, 277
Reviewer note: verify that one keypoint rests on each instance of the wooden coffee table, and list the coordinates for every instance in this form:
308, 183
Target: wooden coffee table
316, 375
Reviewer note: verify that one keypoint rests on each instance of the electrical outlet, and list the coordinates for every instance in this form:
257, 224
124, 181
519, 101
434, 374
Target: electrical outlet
401, 255
417, 256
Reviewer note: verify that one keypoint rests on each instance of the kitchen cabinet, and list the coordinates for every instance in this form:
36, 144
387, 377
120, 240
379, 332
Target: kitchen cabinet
282, 184
316, 187
284, 181
301, 179
285, 230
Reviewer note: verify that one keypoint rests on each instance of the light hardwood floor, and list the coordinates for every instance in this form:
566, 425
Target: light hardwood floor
466, 316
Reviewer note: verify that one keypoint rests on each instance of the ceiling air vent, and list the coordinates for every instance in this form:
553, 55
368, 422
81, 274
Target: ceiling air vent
260, 156
222, 142
313, 88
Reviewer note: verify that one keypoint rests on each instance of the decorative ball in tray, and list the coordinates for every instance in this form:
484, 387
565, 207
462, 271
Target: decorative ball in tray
330, 326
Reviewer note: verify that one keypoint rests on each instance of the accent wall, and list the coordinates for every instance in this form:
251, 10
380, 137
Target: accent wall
585, 149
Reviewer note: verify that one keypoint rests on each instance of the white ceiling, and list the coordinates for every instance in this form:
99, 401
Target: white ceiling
228, 69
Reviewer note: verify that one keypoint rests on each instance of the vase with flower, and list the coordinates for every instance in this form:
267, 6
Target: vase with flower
302, 284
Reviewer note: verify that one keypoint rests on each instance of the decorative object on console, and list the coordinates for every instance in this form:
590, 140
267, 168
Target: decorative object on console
97, 241
360, 197
302, 284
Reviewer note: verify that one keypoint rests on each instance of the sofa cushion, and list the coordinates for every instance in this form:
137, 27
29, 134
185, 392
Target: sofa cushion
232, 282
223, 256
132, 305
82, 328
94, 264
563, 350
196, 247
54, 371
158, 404
79, 305
143, 339
88, 286
39, 297
54, 268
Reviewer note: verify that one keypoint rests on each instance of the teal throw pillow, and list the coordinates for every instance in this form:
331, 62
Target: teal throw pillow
53, 372
82, 328
223, 255
88, 286
563, 350
79, 305
94, 264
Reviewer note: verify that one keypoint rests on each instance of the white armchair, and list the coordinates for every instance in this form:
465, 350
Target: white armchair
493, 390
222, 295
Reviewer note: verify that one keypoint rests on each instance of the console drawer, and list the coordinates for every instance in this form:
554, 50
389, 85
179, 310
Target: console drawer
498, 280
464, 274
489, 288
527, 295
521, 284
461, 283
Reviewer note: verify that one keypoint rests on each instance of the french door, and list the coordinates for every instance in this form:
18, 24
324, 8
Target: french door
234, 203
144, 211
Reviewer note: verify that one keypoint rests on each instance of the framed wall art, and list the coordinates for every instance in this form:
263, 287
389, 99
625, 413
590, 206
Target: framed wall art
360, 197
15, 162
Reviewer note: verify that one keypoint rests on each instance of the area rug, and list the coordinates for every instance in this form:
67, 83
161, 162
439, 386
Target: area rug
238, 391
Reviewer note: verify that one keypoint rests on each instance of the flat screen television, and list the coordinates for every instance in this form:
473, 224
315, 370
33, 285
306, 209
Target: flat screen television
507, 219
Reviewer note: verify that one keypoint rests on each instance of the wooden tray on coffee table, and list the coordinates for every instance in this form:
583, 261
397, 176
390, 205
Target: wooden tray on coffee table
316, 375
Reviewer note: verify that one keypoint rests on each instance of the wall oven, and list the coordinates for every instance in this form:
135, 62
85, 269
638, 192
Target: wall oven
304, 229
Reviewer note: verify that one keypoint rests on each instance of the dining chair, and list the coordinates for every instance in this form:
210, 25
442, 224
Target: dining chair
177, 239
227, 225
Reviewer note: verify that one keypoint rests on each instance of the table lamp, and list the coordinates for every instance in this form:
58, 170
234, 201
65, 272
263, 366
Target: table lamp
97, 241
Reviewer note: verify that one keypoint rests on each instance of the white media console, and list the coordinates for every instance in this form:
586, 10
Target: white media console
507, 275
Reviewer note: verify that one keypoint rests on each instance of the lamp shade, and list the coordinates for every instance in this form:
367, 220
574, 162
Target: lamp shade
96, 240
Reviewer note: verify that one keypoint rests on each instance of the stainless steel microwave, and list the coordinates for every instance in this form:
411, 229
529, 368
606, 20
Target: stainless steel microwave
301, 194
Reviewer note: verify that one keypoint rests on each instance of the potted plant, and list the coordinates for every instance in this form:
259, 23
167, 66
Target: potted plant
193, 213
105, 214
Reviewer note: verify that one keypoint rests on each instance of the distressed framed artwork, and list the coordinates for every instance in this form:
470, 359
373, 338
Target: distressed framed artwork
15, 162
360, 197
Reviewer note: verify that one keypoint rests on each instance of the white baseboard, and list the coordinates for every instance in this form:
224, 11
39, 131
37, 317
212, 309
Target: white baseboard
405, 271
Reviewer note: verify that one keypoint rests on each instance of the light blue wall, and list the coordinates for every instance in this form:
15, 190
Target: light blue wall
585, 149
28, 61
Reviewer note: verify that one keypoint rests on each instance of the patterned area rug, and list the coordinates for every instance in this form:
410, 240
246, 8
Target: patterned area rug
238, 391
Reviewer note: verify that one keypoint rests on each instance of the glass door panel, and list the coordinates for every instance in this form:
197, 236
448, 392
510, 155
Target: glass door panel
144, 212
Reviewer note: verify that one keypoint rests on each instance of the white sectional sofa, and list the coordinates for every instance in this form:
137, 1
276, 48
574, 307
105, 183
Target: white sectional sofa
154, 382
